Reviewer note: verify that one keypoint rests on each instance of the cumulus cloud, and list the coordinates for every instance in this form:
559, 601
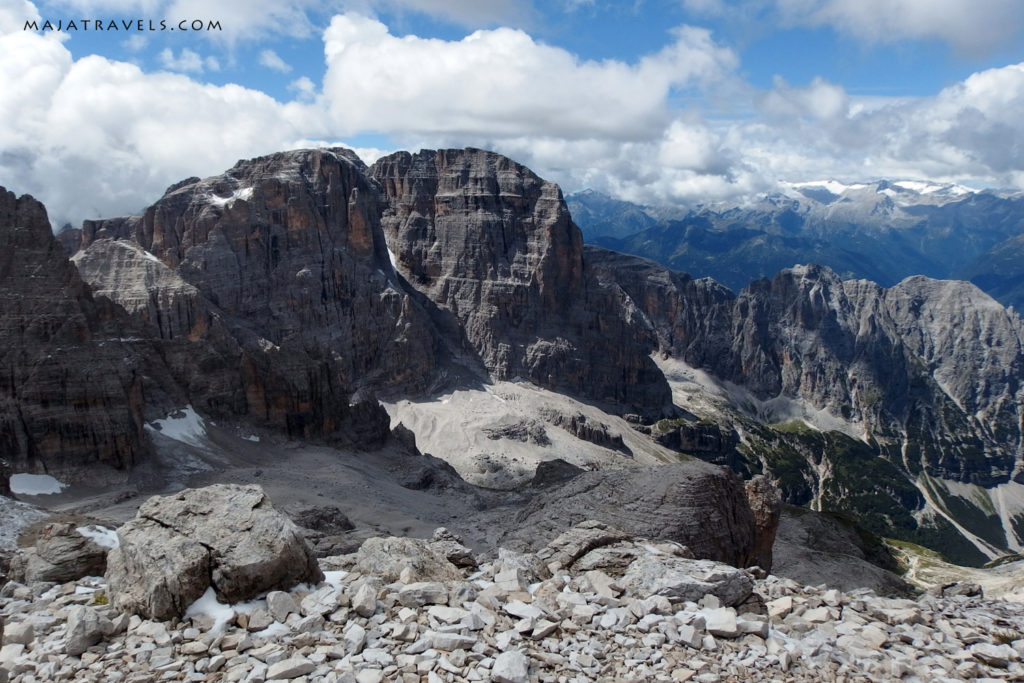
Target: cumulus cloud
969, 132
96, 137
15, 13
503, 82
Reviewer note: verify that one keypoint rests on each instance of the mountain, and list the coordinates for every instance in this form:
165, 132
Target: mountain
902, 406
599, 215
311, 296
1000, 272
77, 377
884, 231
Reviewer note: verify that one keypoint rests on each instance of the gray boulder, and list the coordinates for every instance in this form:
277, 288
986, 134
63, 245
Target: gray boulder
388, 556
61, 554
225, 536
86, 627
680, 579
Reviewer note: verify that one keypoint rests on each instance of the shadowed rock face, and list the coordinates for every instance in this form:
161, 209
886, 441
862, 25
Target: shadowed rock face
75, 377
701, 506
493, 244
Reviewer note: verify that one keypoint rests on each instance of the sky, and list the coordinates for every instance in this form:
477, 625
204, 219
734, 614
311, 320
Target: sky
675, 102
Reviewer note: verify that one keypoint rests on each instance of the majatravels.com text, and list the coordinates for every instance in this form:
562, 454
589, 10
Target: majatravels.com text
71, 25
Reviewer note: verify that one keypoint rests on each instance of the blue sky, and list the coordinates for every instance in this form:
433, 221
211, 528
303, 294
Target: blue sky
658, 101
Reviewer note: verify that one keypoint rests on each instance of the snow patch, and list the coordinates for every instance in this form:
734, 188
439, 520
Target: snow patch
252, 437
104, 537
334, 578
245, 194
394, 261
207, 605
35, 484
183, 425
922, 187
273, 631
833, 186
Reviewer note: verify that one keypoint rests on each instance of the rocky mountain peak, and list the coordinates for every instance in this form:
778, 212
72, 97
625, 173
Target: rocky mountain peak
494, 246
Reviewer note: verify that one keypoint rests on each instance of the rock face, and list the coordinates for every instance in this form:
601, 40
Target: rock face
493, 245
816, 548
277, 276
224, 536
765, 502
698, 505
77, 378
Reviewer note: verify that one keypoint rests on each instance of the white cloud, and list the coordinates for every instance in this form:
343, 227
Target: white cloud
272, 60
303, 87
94, 137
504, 83
14, 14
969, 25
136, 43
187, 60
820, 100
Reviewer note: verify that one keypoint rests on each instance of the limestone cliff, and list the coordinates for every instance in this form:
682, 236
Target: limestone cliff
494, 245
276, 273
73, 372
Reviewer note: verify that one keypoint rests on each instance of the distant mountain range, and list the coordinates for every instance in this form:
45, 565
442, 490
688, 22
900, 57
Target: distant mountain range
883, 231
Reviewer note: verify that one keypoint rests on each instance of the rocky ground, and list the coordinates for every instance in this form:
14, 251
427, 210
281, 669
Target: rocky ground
499, 621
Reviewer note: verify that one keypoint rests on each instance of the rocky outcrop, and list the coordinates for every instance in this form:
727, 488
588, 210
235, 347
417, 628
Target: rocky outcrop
927, 376
76, 374
422, 560
61, 553
698, 505
226, 537
765, 502
579, 426
816, 548
493, 245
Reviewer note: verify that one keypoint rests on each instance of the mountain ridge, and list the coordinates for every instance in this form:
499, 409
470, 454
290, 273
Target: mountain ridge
296, 289
884, 231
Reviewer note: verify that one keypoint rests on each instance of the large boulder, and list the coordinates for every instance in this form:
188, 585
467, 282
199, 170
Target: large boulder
701, 506
680, 579
225, 536
388, 557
